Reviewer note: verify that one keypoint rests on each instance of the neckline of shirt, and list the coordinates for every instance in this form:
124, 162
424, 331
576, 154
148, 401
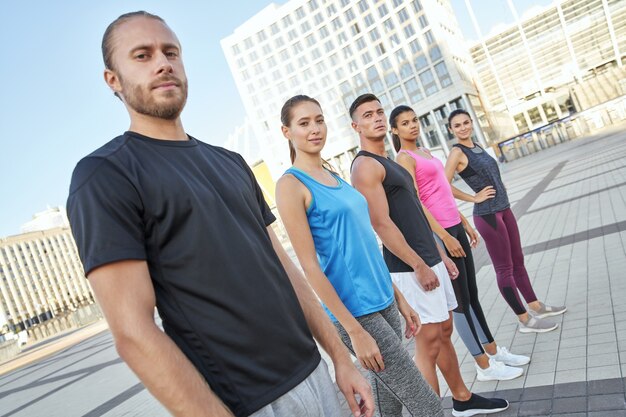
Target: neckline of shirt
334, 187
163, 142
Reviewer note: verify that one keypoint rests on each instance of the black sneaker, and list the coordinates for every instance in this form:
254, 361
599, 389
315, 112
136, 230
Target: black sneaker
478, 405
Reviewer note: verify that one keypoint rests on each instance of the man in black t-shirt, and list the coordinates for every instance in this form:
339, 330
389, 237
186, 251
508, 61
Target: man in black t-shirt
419, 267
162, 219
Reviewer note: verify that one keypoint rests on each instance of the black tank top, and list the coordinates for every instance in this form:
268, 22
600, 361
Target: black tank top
405, 210
482, 170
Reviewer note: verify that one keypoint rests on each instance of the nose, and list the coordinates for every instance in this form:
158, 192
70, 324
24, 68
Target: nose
163, 64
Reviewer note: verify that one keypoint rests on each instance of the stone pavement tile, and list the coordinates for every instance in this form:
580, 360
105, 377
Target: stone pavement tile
535, 408
573, 342
603, 372
619, 413
606, 402
570, 389
573, 375
603, 359
512, 384
577, 332
512, 411
602, 348
537, 393
483, 386
573, 352
599, 338
541, 367
605, 386
571, 363
602, 328
569, 405
570, 415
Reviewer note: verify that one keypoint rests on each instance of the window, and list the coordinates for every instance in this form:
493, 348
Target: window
360, 43
349, 15
435, 53
415, 46
336, 23
362, 4
366, 58
417, 6
293, 81
253, 56
330, 10
318, 19
423, 21
409, 30
310, 40
339, 73
535, 116
391, 78
347, 52
413, 89
388, 25
429, 37
236, 49
406, 70
279, 42
403, 15
353, 66
267, 49
276, 75
307, 74
289, 69
355, 29
386, 64
334, 59
316, 53
428, 81
284, 55
443, 75
323, 32
377, 86
397, 3
371, 73
297, 48
300, 13
394, 39
245, 75
306, 26
292, 34
369, 20
374, 35
258, 68
344, 3
313, 5
274, 28
250, 88
400, 55
329, 46
345, 87
241, 62
382, 10
261, 36
287, 21
384, 100
271, 62
303, 61
380, 49
248, 43
420, 62
397, 95
342, 37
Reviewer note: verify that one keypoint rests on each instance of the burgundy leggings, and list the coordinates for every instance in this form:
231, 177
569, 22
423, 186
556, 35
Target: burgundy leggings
501, 236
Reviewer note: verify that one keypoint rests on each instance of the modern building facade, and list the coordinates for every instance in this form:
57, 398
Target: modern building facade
41, 277
566, 58
405, 52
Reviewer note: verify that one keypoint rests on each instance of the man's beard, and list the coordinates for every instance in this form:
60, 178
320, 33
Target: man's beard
140, 100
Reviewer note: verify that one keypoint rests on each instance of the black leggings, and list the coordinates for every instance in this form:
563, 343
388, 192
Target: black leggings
469, 318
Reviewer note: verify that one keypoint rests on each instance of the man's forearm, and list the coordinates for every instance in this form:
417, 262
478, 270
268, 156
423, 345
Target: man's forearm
394, 240
168, 374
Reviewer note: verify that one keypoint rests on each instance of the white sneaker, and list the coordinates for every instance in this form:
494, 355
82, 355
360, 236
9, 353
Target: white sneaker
497, 371
503, 355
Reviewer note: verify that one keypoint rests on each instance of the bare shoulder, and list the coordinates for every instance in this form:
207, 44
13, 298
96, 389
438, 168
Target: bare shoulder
405, 159
366, 170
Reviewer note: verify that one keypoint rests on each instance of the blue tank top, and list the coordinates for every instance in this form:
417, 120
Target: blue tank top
346, 246
482, 170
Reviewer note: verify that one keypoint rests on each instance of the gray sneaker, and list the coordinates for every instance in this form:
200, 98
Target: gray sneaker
547, 311
536, 325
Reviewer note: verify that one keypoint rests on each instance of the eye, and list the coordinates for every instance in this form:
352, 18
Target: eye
172, 54
141, 56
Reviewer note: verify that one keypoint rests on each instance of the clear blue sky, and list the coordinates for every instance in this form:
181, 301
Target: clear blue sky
55, 107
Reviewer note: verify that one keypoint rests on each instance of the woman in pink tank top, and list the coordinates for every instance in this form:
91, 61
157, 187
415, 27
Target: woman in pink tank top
452, 228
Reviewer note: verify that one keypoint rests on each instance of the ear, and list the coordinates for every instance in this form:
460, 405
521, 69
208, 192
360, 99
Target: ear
285, 131
112, 80
394, 130
355, 127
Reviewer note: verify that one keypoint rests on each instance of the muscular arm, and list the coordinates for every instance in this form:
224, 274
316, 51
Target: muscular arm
125, 293
457, 162
367, 177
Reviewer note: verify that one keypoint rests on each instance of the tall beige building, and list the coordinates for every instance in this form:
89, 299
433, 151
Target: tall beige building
41, 276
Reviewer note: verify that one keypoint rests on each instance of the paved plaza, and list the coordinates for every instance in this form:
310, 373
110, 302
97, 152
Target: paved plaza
570, 201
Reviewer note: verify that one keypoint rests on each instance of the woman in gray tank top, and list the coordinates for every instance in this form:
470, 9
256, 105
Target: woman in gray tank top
496, 223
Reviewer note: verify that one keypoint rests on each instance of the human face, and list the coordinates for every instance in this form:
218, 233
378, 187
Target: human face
307, 128
148, 69
461, 127
369, 121
407, 126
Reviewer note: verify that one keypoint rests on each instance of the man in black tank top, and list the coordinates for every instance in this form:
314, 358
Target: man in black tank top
418, 266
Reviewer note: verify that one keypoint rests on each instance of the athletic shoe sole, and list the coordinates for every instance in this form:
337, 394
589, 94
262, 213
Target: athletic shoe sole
549, 314
529, 330
483, 379
475, 411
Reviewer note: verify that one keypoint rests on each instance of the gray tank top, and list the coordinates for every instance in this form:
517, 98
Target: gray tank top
405, 210
482, 170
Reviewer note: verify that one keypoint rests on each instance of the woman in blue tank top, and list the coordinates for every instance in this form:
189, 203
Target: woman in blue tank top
329, 227
496, 223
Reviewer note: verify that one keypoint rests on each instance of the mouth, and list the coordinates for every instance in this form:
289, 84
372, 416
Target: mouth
381, 127
167, 84
415, 132
316, 140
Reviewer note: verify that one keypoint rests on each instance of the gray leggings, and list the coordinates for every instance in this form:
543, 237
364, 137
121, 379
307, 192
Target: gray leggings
401, 383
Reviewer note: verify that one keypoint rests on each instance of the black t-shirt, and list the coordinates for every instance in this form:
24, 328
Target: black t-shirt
405, 210
196, 214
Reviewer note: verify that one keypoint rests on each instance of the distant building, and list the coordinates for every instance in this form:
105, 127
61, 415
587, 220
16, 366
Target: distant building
405, 52
47, 219
565, 58
41, 276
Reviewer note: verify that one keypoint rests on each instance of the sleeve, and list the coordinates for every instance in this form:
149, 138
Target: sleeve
268, 216
105, 213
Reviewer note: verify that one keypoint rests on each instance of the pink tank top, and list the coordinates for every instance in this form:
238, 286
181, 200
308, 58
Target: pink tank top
434, 189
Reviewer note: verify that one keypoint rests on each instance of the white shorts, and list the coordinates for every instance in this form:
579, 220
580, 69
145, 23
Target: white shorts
432, 306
